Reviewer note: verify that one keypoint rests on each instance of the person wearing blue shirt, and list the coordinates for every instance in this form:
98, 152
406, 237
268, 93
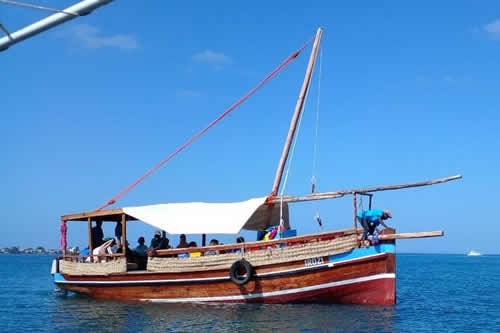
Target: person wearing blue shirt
371, 219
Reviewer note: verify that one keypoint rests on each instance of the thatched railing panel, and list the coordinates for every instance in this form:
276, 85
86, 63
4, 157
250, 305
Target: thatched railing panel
115, 265
255, 257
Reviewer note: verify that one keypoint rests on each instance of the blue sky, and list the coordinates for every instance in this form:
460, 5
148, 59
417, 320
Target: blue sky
408, 92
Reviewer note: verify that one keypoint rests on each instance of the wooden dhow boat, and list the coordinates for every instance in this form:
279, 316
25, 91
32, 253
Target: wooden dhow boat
324, 267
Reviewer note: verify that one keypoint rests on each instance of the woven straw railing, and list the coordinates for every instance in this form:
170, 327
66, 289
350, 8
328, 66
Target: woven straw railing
116, 265
256, 257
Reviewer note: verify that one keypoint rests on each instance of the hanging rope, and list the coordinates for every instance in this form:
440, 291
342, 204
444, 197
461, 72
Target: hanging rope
317, 216
360, 203
315, 147
271, 75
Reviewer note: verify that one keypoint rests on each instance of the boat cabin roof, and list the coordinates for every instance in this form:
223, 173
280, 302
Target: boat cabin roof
197, 217
102, 215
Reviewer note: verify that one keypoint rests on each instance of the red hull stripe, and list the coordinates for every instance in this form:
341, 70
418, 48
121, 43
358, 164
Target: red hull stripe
279, 293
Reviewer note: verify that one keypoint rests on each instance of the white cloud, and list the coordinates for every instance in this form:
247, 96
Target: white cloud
493, 29
90, 37
210, 57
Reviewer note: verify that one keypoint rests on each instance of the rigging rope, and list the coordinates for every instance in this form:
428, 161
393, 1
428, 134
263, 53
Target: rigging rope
292, 151
289, 165
360, 203
317, 216
315, 147
29, 5
271, 75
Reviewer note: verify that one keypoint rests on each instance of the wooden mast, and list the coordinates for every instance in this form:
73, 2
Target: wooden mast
296, 115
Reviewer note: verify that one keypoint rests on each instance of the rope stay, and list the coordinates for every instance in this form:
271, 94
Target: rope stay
33, 6
295, 139
360, 203
287, 172
316, 127
240, 101
317, 216
290, 161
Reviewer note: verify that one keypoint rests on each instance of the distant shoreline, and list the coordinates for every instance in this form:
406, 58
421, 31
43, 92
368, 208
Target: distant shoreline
39, 250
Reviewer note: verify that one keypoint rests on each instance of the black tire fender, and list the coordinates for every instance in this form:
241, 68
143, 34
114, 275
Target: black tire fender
241, 272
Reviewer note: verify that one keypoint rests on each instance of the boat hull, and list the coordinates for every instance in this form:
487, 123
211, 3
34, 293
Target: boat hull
360, 276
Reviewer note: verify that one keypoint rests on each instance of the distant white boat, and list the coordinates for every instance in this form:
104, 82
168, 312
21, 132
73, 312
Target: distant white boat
473, 253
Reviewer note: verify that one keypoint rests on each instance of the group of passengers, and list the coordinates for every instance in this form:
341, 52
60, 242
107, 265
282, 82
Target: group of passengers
103, 247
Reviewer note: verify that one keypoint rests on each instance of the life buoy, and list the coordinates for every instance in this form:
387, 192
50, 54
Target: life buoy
241, 272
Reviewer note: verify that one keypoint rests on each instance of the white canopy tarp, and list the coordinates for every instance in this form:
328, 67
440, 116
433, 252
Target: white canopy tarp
210, 218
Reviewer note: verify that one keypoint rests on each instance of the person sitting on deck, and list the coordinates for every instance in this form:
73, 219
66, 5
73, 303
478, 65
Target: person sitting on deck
182, 244
156, 241
100, 252
129, 254
164, 241
141, 252
239, 240
370, 220
213, 242
194, 254
182, 241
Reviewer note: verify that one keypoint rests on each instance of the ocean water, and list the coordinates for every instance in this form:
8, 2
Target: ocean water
436, 293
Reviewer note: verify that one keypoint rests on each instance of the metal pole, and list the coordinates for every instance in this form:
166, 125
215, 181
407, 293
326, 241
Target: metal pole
80, 9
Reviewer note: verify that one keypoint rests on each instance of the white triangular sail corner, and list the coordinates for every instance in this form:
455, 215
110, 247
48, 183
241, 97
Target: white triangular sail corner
210, 218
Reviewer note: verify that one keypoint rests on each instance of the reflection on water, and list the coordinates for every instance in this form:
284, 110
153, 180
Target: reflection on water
431, 298
81, 314
31, 302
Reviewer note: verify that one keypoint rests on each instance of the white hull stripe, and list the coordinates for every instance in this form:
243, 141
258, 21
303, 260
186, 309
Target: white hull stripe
273, 293
59, 279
